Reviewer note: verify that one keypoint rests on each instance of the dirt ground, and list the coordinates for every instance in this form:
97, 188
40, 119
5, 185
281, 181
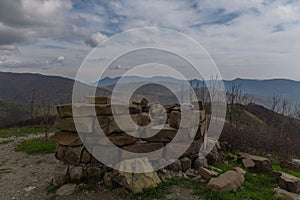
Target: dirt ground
24, 176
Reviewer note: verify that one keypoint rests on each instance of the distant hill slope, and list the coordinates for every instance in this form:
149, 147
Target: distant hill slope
19, 88
264, 89
260, 90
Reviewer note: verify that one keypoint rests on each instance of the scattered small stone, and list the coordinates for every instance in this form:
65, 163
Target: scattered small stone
199, 177
30, 188
205, 173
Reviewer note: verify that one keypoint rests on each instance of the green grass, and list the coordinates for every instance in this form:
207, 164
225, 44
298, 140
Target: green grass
155, 193
37, 146
257, 186
6, 141
19, 132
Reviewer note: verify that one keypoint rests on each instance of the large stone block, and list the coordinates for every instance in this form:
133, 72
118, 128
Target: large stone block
178, 149
84, 125
110, 155
67, 139
141, 148
119, 139
167, 134
70, 155
97, 100
109, 125
185, 119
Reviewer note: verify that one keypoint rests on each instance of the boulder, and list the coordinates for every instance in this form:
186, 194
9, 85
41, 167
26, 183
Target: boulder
85, 156
60, 175
285, 195
66, 190
108, 179
200, 162
175, 166
67, 139
94, 172
174, 119
261, 163
229, 181
76, 173
186, 164
137, 182
289, 182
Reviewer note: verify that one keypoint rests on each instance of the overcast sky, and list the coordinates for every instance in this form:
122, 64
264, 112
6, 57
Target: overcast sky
258, 39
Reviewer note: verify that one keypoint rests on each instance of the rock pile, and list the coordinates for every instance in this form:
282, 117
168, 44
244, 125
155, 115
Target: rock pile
77, 163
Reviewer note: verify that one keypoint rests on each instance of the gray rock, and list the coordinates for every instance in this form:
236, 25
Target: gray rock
66, 190
60, 175
289, 182
186, 164
94, 172
175, 166
229, 181
76, 173
200, 162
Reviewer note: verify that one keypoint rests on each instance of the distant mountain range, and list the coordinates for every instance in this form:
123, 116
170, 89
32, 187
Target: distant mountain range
19, 87
260, 90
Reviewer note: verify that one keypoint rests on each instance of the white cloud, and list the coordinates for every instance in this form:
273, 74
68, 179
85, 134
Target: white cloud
95, 39
60, 59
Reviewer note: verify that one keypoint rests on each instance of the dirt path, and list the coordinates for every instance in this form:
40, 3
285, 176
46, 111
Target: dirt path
24, 176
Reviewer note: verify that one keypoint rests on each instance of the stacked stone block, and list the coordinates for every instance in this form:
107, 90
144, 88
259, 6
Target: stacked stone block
77, 163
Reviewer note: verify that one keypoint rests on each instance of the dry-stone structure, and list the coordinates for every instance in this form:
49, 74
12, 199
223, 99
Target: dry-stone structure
76, 163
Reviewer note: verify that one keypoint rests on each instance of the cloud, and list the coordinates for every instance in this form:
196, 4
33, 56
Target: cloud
59, 59
8, 49
23, 21
95, 39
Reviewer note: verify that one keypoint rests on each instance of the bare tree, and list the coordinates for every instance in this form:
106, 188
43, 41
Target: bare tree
274, 102
233, 94
32, 99
46, 115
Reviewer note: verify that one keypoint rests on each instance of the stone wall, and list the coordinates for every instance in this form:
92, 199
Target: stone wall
77, 164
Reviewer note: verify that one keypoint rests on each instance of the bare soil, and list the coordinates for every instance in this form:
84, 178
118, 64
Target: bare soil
24, 176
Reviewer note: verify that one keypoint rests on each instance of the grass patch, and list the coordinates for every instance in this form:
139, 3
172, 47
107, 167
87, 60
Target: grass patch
37, 146
155, 193
19, 132
6, 141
